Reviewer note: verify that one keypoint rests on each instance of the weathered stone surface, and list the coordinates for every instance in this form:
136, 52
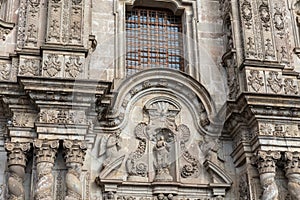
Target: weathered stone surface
74, 125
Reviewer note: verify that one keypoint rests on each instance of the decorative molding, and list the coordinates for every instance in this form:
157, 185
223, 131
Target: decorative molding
62, 116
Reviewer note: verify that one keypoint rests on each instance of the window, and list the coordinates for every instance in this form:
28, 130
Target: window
153, 39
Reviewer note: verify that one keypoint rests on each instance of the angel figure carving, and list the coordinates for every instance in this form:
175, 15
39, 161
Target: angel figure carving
111, 147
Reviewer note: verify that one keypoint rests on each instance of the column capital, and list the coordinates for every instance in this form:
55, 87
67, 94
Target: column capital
46, 150
16, 153
75, 151
266, 161
292, 164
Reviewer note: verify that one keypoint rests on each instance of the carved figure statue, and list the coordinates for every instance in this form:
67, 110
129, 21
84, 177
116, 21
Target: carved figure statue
162, 152
162, 160
211, 149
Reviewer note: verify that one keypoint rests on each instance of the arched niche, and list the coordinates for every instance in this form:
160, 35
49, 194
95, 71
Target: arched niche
162, 138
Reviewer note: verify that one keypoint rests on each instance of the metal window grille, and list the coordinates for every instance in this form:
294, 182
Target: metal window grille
153, 39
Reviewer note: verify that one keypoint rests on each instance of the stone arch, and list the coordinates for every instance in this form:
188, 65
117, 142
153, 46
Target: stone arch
173, 84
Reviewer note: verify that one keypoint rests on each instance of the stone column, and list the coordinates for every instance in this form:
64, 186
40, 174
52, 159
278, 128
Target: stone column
74, 156
266, 161
292, 172
45, 152
16, 167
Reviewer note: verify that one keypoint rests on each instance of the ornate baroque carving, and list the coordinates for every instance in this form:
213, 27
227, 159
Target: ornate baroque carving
63, 116
16, 166
5, 71
289, 87
74, 156
45, 156
74, 67
266, 161
52, 65
255, 80
292, 171
247, 13
274, 82
30, 67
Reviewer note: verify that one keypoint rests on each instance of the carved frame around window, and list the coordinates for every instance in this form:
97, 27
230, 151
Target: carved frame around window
187, 9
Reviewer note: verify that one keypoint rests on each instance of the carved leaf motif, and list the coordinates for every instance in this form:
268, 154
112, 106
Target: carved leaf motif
274, 82
74, 66
255, 80
289, 87
52, 65
278, 19
264, 15
247, 13
5, 70
30, 67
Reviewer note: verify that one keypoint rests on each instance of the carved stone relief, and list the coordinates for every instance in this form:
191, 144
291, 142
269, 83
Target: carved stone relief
62, 116
276, 83
266, 161
5, 71
65, 19
74, 157
29, 66
16, 165
255, 80
63, 65
292, 171
45, 156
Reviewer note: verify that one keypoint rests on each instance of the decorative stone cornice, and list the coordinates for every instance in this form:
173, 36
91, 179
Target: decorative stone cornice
74, 151
266, 161
16, 153
292, 162
45, 150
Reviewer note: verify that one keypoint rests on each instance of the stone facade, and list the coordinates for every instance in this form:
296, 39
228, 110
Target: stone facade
75, 126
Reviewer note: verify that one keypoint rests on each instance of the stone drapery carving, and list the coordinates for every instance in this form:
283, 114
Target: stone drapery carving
45, 156
292, 172
266, 161
16, 166
74, 157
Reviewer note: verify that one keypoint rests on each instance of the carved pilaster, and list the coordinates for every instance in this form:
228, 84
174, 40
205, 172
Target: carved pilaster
45, 157
266, 161
16, 166
292, 172
74, 156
